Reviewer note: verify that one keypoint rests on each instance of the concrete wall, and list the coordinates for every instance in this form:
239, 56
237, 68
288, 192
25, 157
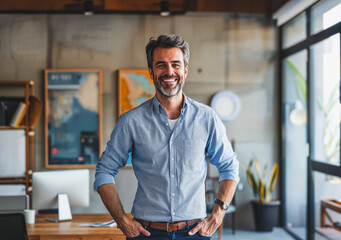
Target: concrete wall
227, 52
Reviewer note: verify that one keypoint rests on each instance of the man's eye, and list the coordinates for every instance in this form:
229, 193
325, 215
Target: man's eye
160, 66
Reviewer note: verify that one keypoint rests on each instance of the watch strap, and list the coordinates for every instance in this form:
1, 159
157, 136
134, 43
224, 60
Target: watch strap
223, 205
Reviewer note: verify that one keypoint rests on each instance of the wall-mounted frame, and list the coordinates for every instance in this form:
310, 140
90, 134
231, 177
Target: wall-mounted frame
73, 117
134, 87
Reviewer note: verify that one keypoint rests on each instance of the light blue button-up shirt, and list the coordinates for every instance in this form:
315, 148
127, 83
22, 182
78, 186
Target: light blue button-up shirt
170, 166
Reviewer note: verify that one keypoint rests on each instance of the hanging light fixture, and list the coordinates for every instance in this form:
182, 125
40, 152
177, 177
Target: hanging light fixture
164, 8
88, 7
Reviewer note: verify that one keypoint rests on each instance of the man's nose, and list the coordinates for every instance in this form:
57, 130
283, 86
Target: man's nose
170, 71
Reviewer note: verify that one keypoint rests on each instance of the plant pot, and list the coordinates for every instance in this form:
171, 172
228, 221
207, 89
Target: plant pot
265, 215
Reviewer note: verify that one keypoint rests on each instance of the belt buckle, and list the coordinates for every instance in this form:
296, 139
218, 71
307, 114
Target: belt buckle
168, 227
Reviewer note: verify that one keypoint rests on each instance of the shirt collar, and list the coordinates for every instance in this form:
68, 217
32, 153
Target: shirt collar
157, 105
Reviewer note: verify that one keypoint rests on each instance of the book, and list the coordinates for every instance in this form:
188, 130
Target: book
11, 105
18, 114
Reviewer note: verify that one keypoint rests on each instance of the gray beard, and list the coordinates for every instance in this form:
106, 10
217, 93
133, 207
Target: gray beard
165, 91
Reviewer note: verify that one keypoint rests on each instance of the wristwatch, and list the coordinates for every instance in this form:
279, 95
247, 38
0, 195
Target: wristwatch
223, 205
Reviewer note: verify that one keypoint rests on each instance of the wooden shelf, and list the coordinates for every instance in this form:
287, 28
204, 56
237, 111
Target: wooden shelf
28, 87
16, 83
13, 128
12, 178
12, 181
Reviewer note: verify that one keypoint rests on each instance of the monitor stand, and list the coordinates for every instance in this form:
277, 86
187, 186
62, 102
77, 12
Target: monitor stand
64, 210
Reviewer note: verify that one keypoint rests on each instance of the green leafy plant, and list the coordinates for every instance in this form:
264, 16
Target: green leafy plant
331, 138
262, 184
300, 83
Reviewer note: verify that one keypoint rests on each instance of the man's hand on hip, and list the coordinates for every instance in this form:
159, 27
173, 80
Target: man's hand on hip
131, 228
209, 225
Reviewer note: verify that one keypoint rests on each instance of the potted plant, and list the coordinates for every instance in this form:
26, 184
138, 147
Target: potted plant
265, 210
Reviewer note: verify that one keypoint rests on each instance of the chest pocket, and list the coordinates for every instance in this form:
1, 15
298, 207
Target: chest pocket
192, 154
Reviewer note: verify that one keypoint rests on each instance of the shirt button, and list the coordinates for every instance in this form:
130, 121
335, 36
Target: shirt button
173, 194
173, 175
173, 213
172, 159
166, 124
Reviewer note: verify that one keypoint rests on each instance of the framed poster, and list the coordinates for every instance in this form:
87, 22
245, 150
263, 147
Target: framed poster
73, 117
134, 87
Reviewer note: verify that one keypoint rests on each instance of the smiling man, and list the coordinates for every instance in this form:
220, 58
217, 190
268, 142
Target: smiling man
169, 137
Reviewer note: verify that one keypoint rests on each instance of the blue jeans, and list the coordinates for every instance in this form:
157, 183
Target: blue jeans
164, 235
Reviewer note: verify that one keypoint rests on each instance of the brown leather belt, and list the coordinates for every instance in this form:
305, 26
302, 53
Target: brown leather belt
169, 227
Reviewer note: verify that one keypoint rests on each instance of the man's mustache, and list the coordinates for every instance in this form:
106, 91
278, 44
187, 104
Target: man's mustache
169, 76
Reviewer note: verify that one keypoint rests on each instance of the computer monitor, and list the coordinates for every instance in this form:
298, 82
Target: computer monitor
60, 189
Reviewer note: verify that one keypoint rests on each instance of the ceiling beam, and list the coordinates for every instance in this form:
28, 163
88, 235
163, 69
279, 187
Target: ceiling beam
141, 6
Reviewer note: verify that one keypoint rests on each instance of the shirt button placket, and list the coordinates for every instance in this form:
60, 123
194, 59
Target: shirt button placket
172, 180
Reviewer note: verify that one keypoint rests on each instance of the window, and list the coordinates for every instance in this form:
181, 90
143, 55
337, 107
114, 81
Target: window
295, 127
311, 113
325, 77
294, 31
324, 15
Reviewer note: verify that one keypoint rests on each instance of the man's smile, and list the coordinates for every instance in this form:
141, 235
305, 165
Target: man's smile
169, 80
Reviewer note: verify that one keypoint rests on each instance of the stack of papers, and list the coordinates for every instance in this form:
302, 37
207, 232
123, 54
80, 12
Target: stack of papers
100, 224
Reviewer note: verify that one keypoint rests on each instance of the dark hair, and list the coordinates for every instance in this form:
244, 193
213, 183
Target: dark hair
167, 41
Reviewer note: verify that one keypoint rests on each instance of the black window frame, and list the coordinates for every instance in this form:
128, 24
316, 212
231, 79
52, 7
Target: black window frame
312, 164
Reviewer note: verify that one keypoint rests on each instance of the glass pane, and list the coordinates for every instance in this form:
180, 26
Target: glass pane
295, 123
325, 14
294, 31
327, 202
325, 76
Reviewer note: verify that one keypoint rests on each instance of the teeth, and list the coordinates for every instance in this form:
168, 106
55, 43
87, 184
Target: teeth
169, 80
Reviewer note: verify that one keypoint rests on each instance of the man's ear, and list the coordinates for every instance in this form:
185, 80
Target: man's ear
151, 73
186, 71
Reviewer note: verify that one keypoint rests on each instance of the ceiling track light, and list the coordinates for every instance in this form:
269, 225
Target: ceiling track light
88, 7
164, 8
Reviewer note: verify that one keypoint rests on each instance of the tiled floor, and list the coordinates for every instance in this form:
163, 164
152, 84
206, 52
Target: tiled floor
276, 234
321, 233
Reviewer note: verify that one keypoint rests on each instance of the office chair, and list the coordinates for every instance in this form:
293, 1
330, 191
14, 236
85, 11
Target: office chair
13, 226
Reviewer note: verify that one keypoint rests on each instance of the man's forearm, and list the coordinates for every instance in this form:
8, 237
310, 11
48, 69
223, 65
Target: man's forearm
208, 226
226, 191
111, 200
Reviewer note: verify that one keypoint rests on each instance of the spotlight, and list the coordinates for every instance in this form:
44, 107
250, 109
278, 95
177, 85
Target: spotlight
164, 8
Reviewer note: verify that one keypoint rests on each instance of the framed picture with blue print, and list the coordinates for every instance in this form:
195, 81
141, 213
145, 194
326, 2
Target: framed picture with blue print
73, 117
134, 87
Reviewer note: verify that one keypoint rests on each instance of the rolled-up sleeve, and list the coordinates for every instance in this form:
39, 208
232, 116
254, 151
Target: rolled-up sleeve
115, 155
220, 151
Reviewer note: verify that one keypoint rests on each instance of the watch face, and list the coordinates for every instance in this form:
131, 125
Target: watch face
222, 204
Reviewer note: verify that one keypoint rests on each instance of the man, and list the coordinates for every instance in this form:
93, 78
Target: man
169, 137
